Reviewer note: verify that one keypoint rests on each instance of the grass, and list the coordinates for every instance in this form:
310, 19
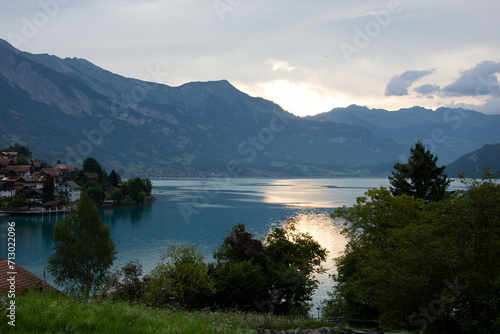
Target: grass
50, 313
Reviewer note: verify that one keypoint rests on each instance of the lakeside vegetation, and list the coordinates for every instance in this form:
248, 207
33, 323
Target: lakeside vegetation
420, 258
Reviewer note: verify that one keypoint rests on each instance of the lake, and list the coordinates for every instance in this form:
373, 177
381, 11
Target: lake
202, 211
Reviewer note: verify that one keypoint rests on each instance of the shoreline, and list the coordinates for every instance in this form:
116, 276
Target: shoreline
38, 212
14, 212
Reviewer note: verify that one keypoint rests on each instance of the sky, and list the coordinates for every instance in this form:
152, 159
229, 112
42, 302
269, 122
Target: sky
309, 56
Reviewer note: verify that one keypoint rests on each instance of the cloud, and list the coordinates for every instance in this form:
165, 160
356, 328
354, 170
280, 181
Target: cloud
428, 89
282, 65
188, 39
479, 80
399, 84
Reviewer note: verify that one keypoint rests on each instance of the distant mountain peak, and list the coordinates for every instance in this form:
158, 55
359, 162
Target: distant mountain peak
355, 107
6, 45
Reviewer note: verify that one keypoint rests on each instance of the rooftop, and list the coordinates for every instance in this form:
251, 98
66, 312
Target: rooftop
24, 278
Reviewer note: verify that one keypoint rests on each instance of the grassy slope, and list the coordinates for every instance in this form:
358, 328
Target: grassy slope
47, 313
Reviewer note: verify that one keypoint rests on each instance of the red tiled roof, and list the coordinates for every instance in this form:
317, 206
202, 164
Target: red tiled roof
4, 161
91, 176
35, 178
12, 179
19, 169
51, 171
62, 166
24, 279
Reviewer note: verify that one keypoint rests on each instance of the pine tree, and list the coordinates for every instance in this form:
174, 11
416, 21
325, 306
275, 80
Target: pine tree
420, 177
48, 188
114, 178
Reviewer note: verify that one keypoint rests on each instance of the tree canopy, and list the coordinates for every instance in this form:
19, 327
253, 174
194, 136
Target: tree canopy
280, 270
20, 149
114, 178
83, 250
90, 165
273, 275
181, 279
430, 267
420, 177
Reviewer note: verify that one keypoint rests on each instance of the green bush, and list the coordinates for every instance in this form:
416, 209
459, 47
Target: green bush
125, 284
180, 280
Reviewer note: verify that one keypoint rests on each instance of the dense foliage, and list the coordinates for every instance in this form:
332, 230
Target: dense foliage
420, 177
275, 275
126, 284
83, 250
432, 267
19, 148
134, 190
180, 280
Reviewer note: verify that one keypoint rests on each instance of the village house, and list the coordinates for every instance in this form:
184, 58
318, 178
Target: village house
16, 182
71, 190
65, 169
34, 195
91, 176
34, 181
10, 155
7, 173
6, 189
55, 173
22, 171
37, 165
5, 161
11, 185
52, 206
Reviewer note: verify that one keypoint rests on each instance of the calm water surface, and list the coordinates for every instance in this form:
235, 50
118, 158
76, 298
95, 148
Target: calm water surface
202, 211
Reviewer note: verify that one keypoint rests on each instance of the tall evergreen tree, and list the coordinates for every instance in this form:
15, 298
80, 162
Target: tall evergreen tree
114, 178
420, 177
48, 188
83, 250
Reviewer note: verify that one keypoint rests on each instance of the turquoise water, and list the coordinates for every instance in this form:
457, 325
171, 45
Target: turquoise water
202, 211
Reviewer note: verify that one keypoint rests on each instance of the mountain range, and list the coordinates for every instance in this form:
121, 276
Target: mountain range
449, 133
474, 164
69, 109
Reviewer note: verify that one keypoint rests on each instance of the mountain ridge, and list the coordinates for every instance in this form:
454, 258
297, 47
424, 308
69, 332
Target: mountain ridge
449, 132
52, 104
474, 163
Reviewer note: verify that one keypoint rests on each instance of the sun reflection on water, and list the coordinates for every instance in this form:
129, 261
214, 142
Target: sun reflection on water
315, 193
326, 231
